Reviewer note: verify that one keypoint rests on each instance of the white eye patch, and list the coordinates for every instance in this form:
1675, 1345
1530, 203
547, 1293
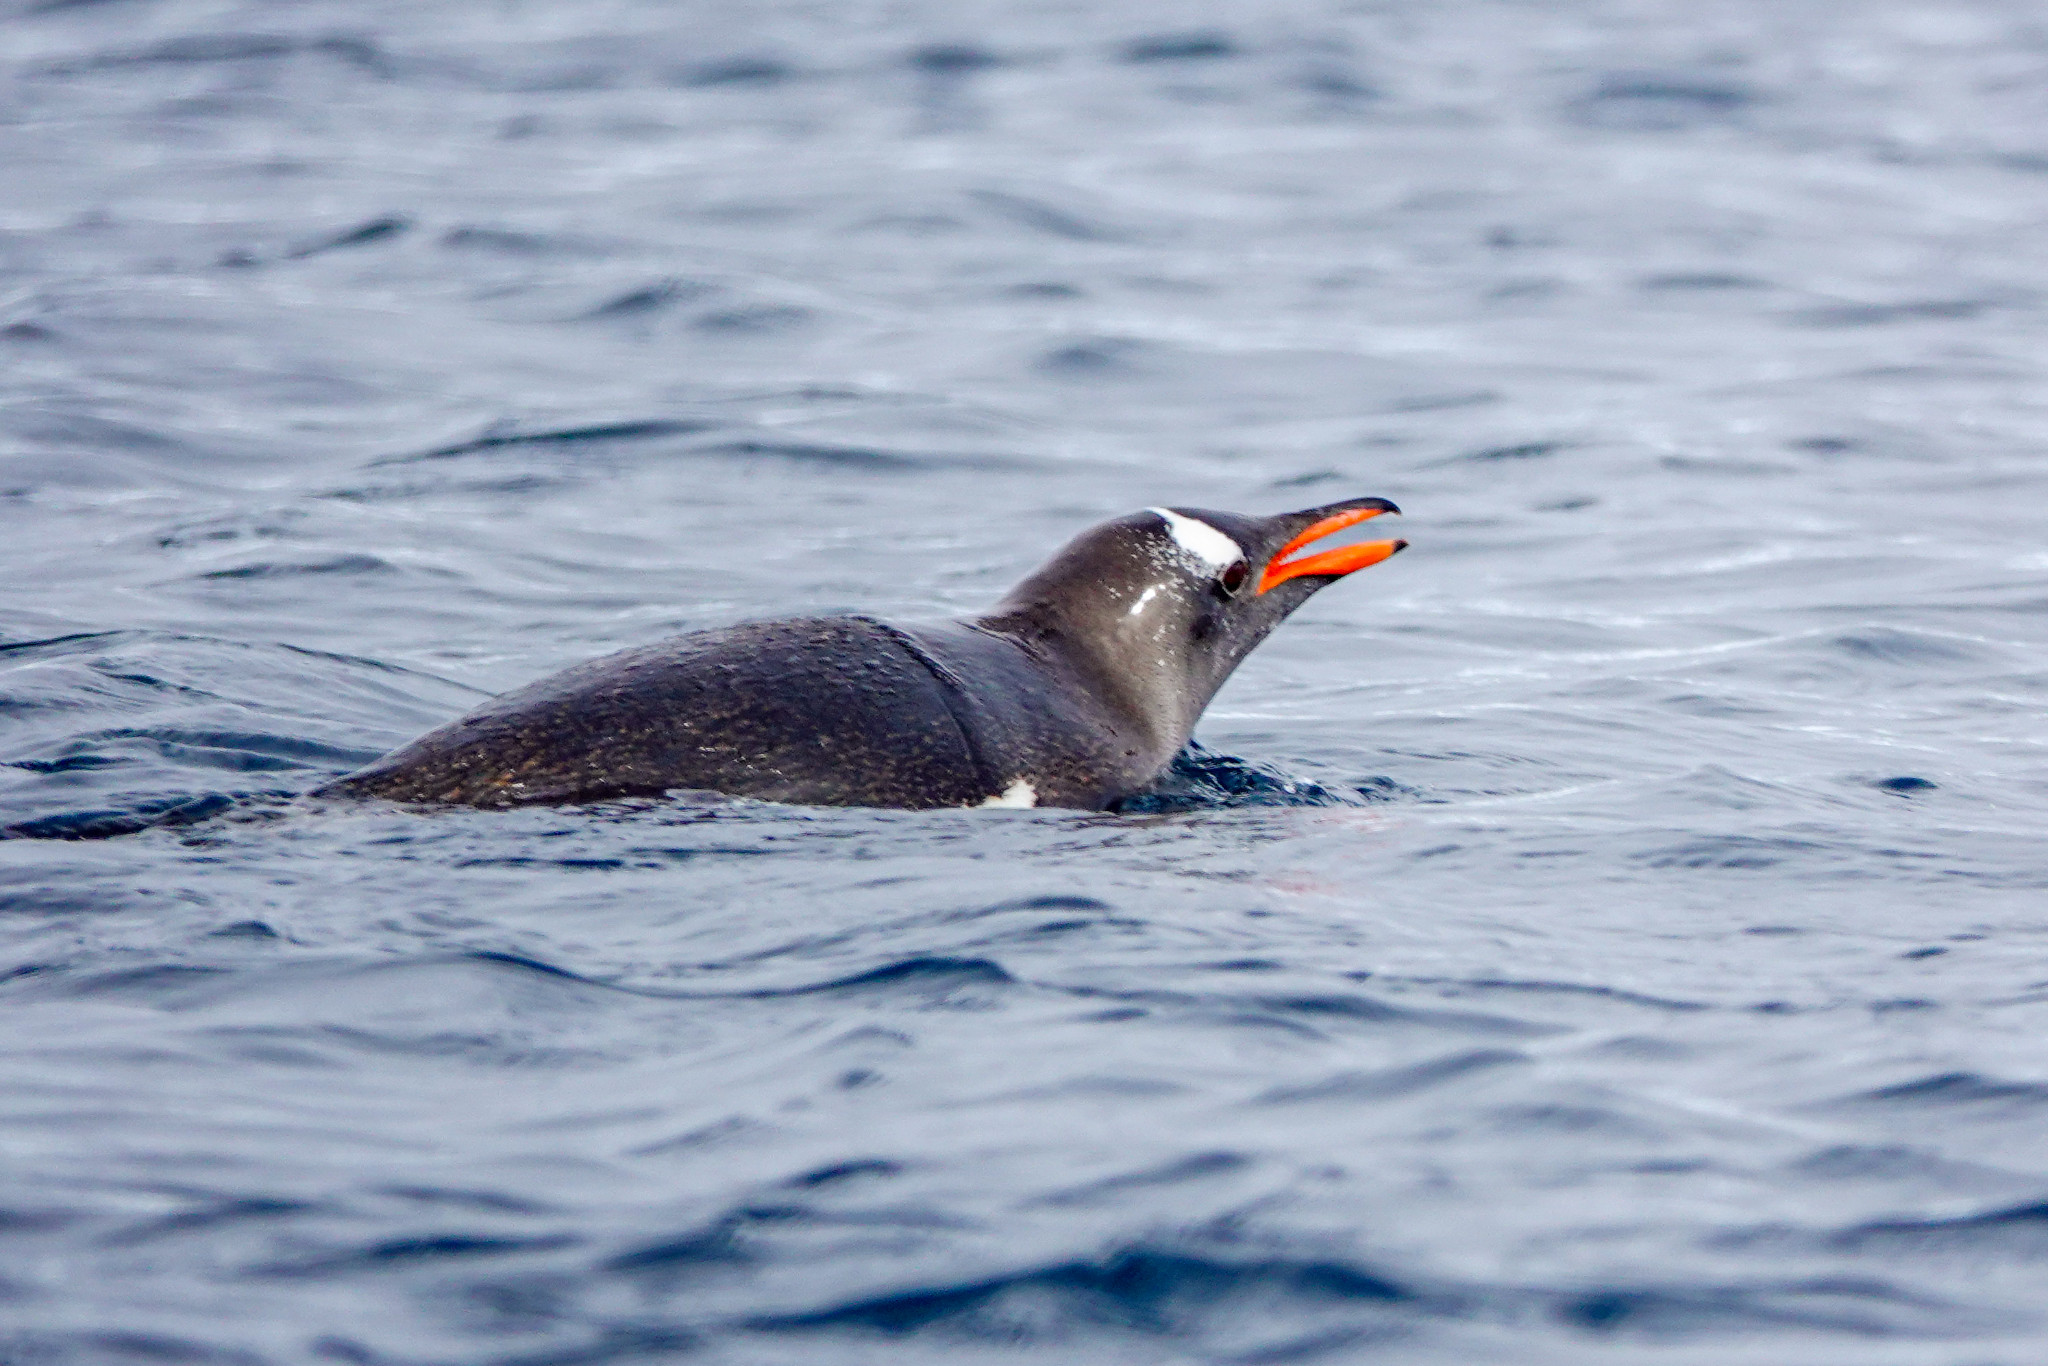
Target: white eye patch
1199, 541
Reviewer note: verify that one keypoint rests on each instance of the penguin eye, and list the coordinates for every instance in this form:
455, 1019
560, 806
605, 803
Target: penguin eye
1233, 578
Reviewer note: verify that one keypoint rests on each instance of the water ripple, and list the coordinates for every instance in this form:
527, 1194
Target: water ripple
1610, 930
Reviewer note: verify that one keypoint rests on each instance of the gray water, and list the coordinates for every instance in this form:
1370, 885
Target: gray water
1612, 931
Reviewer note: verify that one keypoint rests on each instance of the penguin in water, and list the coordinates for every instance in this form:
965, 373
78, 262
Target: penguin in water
1077, 690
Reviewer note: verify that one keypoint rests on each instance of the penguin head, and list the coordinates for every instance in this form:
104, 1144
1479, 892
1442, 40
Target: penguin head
1159, 607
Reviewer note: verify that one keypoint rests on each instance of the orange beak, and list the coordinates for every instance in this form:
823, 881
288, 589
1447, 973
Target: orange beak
1343, 560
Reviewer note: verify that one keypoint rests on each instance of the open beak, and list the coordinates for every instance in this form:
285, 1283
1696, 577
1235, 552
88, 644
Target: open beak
1345, 559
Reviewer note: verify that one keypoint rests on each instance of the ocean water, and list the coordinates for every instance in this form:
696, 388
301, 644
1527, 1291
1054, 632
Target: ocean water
1613, 931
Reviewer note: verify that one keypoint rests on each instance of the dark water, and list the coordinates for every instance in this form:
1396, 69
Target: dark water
1613, 931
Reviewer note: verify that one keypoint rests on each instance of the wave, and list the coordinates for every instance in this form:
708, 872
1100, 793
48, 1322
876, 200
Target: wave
1200, 779
1166, 1292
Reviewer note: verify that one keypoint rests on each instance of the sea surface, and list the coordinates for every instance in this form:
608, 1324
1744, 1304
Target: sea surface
1615, 931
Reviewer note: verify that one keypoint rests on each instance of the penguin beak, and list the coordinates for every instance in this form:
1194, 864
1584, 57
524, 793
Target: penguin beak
1343, 560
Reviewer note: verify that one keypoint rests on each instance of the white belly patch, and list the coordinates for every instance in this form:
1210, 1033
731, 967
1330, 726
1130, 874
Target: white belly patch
1017, 796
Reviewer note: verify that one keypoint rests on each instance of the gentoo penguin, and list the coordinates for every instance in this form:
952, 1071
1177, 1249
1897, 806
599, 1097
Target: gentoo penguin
1077, 690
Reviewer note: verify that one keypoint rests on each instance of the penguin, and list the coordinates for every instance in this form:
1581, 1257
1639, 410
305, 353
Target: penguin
1076, 690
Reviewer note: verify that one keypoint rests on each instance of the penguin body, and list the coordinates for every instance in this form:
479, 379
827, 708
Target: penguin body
1076, 691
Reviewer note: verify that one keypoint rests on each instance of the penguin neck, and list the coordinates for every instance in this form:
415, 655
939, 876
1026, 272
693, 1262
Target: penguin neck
1151, 705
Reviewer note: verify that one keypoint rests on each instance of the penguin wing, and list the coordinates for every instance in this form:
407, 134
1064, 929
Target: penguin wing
824, 711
